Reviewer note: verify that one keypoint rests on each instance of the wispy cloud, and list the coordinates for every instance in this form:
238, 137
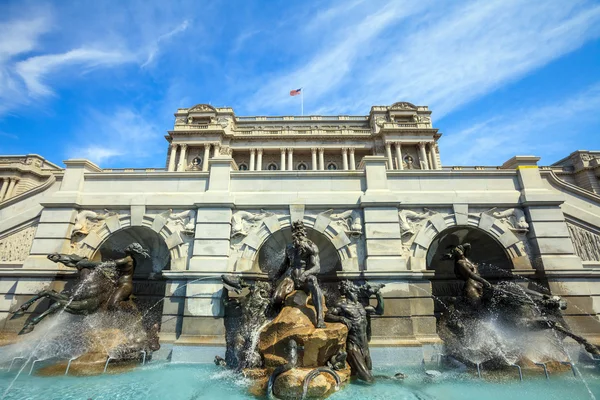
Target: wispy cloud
26, 76
154, 48
548, 129
34, 69
442, 56
122, 134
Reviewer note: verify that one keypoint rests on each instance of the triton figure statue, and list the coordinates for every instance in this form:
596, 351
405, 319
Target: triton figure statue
299, 271
354, 314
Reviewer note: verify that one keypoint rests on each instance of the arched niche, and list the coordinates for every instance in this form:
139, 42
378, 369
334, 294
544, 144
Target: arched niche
147, 290
114, 245
486, 251
272, 252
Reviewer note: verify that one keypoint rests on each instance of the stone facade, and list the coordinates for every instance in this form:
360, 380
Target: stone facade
370, 189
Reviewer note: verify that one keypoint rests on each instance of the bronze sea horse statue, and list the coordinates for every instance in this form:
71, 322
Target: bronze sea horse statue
100, 285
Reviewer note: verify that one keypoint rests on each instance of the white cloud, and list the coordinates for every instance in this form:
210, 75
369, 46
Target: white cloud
26, 76
541, 129
124, 135
154, 48
34, 69
21, 36
442, 56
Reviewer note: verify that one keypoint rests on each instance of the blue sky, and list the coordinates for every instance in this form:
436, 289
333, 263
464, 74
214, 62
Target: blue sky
101, 80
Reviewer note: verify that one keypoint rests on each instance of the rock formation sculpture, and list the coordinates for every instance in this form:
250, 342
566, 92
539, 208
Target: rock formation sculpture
354, 314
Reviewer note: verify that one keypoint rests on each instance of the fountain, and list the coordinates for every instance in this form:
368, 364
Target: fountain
282, 334
489, 325
112, 328
292, 336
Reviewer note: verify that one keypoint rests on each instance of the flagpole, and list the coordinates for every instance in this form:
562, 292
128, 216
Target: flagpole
302, 102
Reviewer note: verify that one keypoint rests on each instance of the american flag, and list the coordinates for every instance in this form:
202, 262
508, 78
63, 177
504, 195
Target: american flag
295, 92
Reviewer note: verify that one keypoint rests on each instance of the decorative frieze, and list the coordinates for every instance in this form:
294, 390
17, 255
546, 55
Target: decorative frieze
586, 243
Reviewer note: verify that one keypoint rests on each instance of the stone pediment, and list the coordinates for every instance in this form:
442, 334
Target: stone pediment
203, 108
402, 105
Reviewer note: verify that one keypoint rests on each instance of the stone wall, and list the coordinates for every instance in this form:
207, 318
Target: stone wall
371, 223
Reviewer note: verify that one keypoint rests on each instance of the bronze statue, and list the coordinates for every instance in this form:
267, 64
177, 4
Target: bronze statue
507, 302
466, 270
299, 271
101, 284
243, 315
90, 293
351, 312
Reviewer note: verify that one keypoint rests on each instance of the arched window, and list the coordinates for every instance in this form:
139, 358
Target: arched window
272, 167
332, 166
302, 166
243, 167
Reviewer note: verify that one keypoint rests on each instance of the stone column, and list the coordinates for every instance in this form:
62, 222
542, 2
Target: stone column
433, 152
423, 156
4, 187
11, 187
313, 152
388, 151
345, 158
182, 158
259, 159
352, 160
322, 159
282, 159
399, 155
290, 159
172, 157
217, 151
252, 159
206, 157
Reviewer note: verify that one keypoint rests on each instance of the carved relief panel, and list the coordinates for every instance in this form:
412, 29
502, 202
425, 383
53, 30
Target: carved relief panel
15, 247
586, 243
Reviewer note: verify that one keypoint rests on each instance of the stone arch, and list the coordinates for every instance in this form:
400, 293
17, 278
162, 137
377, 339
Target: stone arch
486, 251
320, 223
113, 248
500, 231
173, 238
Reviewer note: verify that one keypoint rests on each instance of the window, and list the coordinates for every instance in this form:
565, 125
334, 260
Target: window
243, 167
331, 166
272, 167
302, 167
